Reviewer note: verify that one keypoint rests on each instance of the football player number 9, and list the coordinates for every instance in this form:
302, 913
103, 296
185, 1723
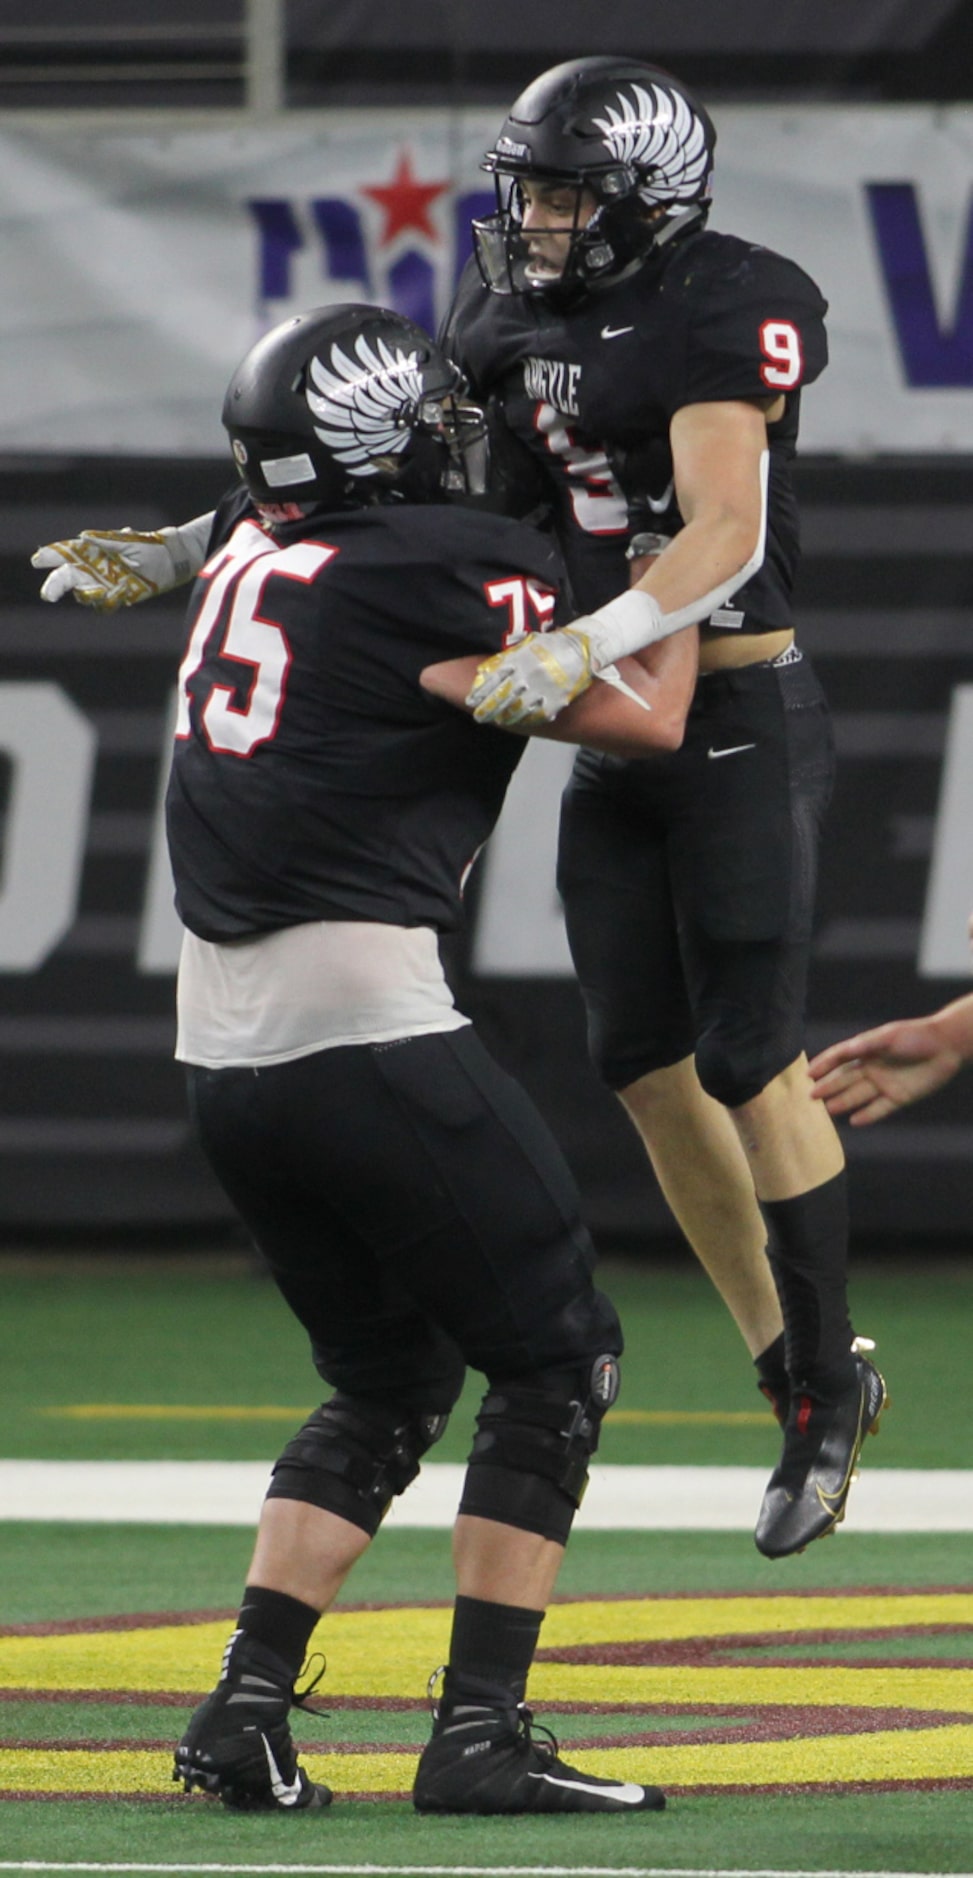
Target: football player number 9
240, 572
783, 366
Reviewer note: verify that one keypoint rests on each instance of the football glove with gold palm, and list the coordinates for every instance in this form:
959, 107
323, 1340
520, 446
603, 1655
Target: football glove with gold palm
529, 683
108, 568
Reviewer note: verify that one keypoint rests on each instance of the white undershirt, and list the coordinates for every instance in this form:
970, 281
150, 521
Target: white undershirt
311, 987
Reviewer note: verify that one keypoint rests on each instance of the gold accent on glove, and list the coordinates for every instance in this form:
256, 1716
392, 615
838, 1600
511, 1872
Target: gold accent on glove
530, 683
117, 580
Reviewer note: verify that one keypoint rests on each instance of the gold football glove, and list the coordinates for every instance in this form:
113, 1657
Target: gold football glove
529, 683
108, 568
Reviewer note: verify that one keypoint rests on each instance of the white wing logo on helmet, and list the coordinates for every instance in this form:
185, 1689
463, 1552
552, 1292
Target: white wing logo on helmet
358, 402
657, 130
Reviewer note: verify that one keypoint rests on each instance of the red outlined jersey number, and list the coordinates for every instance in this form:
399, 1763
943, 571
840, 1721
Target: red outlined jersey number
530, 605
597, 502
783, 355
237, 576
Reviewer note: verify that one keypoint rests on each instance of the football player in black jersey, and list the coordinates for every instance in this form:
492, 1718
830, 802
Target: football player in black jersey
323, 810
655, 368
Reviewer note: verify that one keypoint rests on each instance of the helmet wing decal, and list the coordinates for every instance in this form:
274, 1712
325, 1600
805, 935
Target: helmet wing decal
359, 402
657, 130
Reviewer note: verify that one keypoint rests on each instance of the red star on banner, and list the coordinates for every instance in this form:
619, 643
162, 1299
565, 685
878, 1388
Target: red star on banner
405, 201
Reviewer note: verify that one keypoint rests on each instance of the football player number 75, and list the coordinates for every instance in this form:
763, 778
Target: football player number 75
237, 577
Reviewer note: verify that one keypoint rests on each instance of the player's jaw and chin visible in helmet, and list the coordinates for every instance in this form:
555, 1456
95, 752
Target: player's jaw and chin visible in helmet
617, 155
349, 405
552, 212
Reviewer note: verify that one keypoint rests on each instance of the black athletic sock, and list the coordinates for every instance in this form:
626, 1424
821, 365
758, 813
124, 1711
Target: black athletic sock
809, 1257
771, 1368
282, 1623
490, 1653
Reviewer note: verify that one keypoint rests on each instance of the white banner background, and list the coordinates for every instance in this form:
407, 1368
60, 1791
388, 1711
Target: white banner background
134, 262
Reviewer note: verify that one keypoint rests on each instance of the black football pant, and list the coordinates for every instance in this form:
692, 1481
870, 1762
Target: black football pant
415, 1212
688, 882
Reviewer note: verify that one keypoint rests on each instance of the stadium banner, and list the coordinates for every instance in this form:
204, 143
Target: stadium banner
140, 265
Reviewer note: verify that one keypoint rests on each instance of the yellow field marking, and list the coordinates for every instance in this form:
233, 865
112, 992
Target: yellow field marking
661, 1619
922, 1754
148, 1770
270, 1412
391, 1652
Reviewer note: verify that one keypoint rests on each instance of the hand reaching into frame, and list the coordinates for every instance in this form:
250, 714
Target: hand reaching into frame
107, 568
869, 1076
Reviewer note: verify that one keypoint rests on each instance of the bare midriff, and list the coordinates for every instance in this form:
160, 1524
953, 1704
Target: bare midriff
724, 651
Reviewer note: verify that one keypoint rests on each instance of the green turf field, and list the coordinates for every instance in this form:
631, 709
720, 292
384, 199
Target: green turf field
212, 1334
733, 1681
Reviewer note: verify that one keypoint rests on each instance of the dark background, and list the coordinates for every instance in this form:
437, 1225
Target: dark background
70, 53
93, 1131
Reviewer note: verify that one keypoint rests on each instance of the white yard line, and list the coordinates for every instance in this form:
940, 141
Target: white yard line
641, 1499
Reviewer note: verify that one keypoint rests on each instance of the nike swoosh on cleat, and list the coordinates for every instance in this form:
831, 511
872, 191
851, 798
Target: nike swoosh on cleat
287, 1793
733, 751
831, 1501
615, 332
625, 1791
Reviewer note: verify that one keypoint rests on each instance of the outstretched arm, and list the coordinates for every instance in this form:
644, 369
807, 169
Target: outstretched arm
869, 1076
605, 718
106, 568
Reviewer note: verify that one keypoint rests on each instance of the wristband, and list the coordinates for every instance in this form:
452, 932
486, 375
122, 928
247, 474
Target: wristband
634, 620
187, 545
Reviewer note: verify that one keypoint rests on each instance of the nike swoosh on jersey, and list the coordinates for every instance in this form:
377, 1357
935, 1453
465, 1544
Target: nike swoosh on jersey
734, 749
615, 332
287, 1792
659, 504
625, 1791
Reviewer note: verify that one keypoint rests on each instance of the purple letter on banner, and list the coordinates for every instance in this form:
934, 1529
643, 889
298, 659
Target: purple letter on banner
280, 237
931, 355
339, 226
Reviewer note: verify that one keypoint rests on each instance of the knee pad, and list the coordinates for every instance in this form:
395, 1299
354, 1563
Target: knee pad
745, 1045
720, 1074
528, 1466
733, 1069
352, 1457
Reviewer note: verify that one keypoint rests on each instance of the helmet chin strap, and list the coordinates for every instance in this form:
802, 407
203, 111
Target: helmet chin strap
678, 224
681, 223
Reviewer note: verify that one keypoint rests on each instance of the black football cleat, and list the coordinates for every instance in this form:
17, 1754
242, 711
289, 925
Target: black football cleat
807, 1493
238, 1745
486, 1760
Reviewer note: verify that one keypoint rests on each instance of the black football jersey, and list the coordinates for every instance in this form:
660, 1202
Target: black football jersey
312, 777
592, 389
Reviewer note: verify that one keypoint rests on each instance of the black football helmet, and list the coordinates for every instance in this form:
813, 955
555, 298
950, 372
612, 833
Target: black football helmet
629, 133
348, 405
